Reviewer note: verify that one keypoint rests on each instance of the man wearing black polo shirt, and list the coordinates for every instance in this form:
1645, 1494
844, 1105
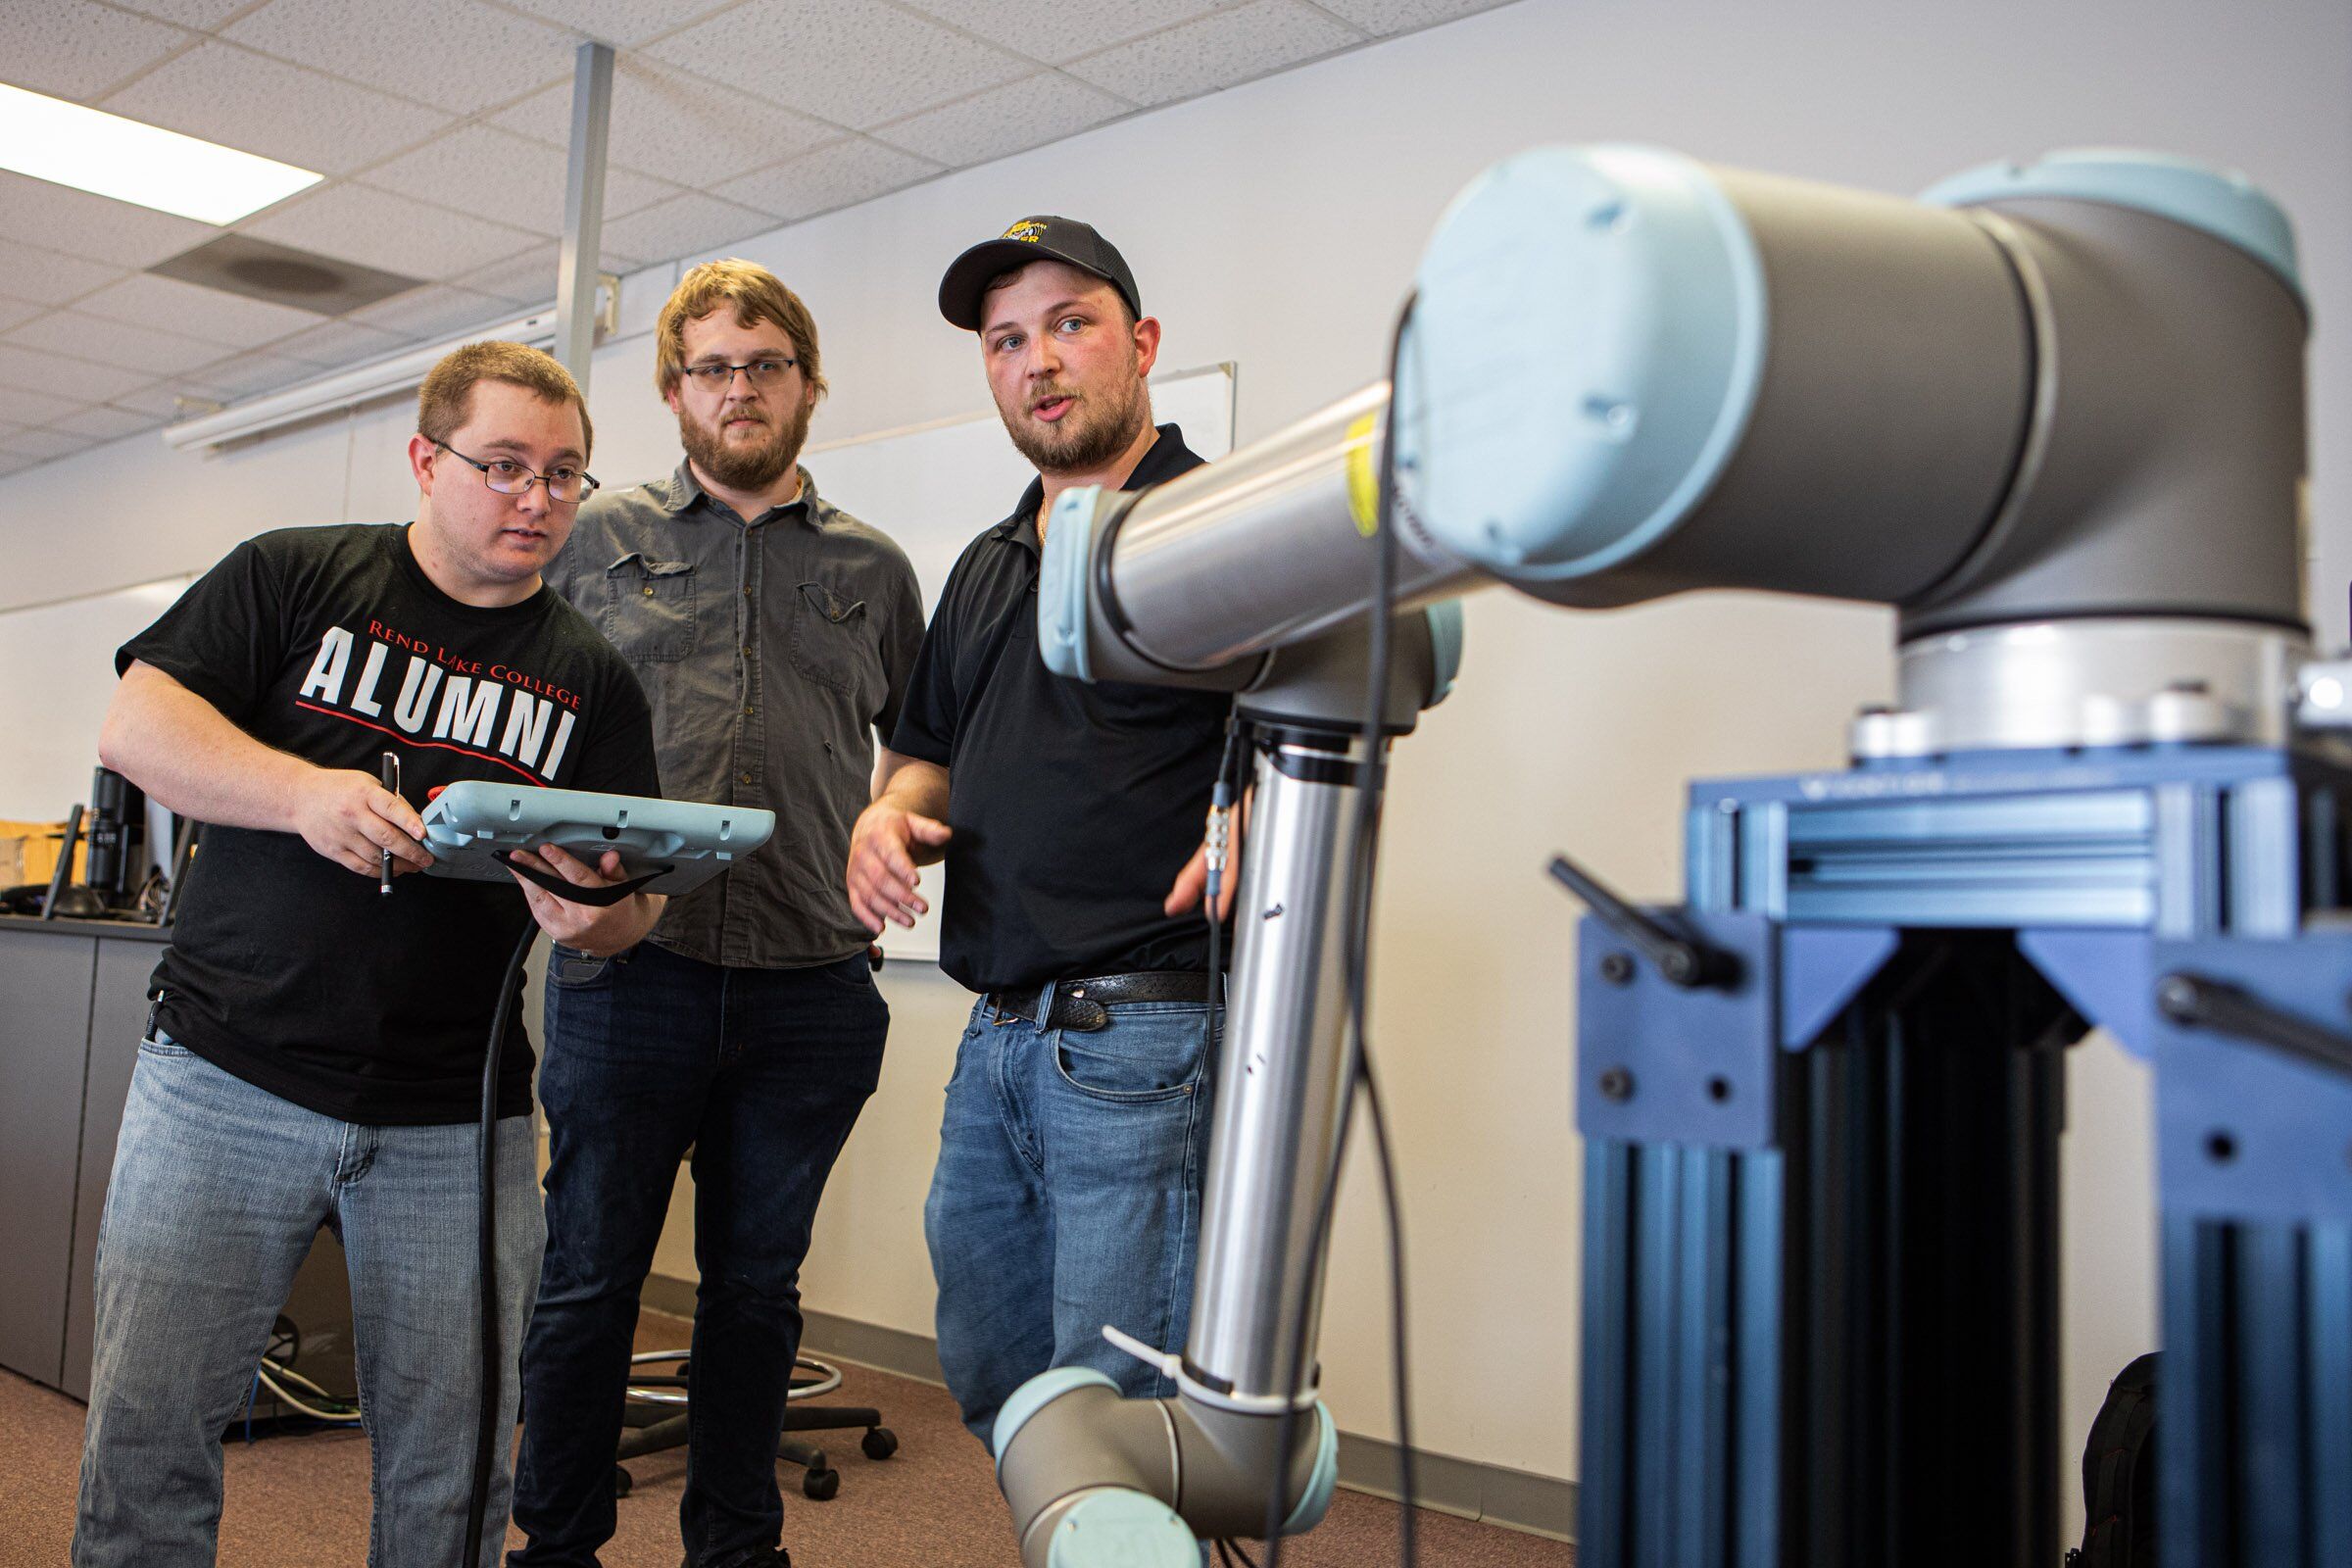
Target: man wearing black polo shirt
1068, 1191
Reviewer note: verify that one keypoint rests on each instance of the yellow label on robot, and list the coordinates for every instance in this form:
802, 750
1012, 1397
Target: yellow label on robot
1363, 483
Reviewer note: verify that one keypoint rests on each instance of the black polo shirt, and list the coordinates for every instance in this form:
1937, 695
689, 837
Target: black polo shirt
1074, 806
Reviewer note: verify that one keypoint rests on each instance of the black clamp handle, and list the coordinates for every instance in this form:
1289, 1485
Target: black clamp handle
2199, 1001
1678, 960
572, 892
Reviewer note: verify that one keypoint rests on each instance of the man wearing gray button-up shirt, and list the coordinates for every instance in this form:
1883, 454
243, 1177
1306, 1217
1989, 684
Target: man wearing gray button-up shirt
772, 633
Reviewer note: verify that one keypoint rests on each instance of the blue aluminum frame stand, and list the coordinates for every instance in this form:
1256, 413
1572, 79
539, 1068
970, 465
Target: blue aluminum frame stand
1821, 1235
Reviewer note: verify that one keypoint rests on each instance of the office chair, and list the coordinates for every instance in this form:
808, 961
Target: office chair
650, 1431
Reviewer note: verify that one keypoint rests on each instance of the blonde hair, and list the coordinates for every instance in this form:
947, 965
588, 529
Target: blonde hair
445, 398
757, 294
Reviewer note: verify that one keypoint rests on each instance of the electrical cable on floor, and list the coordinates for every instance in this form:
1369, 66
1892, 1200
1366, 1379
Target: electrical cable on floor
1362, 862
287, 1399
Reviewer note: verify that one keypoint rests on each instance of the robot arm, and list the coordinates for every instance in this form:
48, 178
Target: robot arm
2053, 413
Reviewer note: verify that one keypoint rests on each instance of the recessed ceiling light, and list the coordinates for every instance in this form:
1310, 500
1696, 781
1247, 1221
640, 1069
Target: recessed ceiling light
107, 155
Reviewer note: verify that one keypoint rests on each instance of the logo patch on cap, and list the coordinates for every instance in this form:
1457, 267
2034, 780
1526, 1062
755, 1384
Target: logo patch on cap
1027, 230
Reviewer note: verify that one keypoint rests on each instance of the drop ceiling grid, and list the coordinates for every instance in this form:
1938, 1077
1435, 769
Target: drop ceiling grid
729, 116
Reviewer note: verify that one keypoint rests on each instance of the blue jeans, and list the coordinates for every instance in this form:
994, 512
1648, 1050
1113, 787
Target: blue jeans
217, 1190
1068, 1196
762, 1072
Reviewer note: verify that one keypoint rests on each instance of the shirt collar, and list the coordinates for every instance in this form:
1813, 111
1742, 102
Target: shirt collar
684, 490
1166, 457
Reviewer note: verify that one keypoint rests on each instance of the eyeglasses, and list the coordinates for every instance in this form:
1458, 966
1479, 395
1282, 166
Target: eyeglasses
760, 373
565, 486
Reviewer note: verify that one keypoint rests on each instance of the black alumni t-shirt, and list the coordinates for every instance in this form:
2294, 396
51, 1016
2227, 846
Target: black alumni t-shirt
1073, 805
289, 970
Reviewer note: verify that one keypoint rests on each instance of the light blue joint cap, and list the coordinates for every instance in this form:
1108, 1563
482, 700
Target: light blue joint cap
1034, 1395
1583, 358
1122, 1530
1445, 648
2221, 202
1064, 579
1316, 1501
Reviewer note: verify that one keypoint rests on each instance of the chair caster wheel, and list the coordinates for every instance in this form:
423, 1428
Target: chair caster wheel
821, 1485
621, 1480
879, 1442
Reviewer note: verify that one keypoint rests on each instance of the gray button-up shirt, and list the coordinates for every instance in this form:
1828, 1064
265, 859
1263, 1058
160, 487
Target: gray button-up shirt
771, 649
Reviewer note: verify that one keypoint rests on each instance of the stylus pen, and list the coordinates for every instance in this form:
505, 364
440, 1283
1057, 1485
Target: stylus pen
390, 774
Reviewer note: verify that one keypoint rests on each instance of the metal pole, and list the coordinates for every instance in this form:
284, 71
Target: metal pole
583, 209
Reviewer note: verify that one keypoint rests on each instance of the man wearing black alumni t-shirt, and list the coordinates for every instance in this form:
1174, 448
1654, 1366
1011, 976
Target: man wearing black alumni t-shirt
313, 1056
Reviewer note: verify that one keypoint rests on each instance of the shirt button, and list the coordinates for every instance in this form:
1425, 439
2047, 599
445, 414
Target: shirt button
649, 591
747, 713
747, 778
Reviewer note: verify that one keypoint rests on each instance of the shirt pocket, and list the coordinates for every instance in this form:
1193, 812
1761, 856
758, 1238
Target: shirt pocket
829, 640
649, 607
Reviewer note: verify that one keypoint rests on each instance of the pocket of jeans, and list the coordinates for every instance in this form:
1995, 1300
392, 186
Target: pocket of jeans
1133, 1061
649, 608
854, 973
570, 969
160, 1044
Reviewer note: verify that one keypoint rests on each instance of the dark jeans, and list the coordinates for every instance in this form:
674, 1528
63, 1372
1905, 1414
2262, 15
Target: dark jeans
763, 1072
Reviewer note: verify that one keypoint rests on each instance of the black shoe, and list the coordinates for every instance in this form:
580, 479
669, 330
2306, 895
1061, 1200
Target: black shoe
778, 1558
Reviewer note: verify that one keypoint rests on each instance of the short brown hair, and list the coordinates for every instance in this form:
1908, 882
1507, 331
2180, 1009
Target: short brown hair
757, 294
445, 398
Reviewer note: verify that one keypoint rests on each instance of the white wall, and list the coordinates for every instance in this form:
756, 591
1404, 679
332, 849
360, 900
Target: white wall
1276, 225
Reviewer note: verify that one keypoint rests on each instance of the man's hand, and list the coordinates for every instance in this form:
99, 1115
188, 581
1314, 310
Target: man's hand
591, 930
350, 818
882, 877
1193, 881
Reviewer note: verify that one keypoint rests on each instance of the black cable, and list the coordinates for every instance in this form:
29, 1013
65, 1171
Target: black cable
1221, 798
486, 1439
1362, 863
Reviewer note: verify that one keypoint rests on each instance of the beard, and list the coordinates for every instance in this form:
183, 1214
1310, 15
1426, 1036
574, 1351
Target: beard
746, 465
1090, 435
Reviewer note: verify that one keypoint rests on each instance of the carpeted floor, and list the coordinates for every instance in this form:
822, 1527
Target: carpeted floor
304, 1500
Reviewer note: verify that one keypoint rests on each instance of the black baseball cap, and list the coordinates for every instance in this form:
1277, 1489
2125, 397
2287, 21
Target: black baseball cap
1032, 239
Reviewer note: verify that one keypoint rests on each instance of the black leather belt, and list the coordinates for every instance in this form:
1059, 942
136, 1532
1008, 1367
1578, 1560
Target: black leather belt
1084, 1005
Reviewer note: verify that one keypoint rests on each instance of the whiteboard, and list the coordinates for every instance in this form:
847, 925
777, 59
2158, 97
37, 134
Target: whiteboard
934, 487
57, 674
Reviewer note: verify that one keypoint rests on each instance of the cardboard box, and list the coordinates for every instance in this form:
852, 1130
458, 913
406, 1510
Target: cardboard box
29, 852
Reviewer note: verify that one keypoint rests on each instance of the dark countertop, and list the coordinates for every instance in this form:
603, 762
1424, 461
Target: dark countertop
132, 930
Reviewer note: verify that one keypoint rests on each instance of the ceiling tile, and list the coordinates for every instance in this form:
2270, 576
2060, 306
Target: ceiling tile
857, 63
846, 172
131, 348
683, 225
505, 177
102, 424
457, 55
1219, 51
202, 14
162, 401
55, 218
46, 276
214, 315
529, 280
1383, 16
15, 313
436, 312
682, 128
249, 375
1005, 119
1073, 28
42, 445
382, 229
241, 99
66, 382
74, 49
334, 344
621, 22
19, 407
